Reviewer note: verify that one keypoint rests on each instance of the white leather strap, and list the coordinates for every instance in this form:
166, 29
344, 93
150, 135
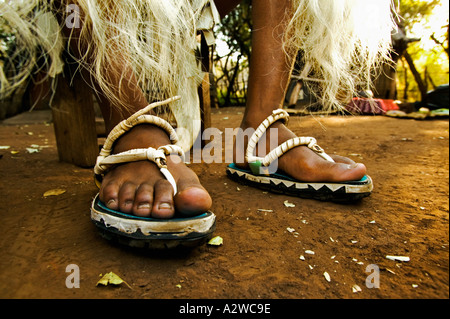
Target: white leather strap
277, 152
105, 160
140, 117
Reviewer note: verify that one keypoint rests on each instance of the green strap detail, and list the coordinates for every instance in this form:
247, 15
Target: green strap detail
258, 169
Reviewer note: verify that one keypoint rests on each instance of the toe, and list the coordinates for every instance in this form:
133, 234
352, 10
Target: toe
143, 201
193, 200
346, 172
109, 195
303, 164
126, 197
342, 159
163, 205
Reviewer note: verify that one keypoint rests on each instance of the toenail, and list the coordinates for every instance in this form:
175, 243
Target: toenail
128, 202
111, 202
143, 205
165, 206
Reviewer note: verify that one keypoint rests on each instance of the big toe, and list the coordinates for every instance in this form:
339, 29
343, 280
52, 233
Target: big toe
347, 172
192, 200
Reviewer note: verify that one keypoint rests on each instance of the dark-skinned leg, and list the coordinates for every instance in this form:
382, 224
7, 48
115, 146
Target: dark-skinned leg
225, 6
139, 188
270, 70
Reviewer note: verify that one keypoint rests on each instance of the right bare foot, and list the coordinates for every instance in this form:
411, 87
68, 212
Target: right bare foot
303, 164
139, 188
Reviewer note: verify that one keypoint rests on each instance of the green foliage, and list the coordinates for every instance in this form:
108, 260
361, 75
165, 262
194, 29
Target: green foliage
430, 56
416, 11
429, 53
236, 29
7, 39
232, 67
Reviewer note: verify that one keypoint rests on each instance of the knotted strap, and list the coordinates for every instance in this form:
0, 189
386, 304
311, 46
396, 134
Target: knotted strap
105, 160
277, 152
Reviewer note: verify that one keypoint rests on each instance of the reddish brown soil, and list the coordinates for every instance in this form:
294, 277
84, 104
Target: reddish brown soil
407, 215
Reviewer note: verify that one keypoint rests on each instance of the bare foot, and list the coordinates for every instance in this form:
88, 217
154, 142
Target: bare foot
139, 188
304, 164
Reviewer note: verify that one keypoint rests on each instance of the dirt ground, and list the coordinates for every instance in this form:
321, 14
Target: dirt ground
407, 215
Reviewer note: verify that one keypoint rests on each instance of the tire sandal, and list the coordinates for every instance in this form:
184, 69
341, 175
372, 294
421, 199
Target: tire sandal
259, 173
146, 232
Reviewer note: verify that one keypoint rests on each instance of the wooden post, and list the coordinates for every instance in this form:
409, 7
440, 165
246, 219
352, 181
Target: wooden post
205, 102
205, 87
74, 122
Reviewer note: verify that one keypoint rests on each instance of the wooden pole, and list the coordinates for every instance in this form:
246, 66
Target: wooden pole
74, 122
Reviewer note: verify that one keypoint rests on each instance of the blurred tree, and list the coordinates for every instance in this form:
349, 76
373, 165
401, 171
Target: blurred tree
419, 69
235, 31
407, 50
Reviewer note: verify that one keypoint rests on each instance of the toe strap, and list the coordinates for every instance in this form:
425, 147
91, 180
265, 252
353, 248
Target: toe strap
157, 156
106, 160
310, 142
277, 152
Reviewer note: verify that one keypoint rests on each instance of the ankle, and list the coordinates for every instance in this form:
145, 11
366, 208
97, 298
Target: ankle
141, 136
254, 118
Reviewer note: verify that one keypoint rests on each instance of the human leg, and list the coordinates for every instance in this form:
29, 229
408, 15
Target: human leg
225, 6
270, 69
138, 188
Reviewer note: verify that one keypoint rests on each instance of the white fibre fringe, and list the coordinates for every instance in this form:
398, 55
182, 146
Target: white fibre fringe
158, 40
342, 42
155, 39
36, 37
